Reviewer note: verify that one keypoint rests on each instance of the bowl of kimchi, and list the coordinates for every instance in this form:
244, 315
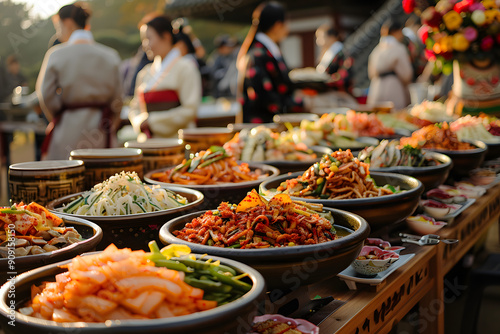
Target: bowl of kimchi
342, 181
32, 246
465, 155
290, 243
216, 174
119, 293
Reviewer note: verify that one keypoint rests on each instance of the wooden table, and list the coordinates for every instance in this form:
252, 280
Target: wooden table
420, 281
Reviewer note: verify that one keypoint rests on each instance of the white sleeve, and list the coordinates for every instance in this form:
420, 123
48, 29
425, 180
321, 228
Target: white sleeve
167, 123
47, 86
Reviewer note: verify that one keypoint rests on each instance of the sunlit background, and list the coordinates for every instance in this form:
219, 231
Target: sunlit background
43, 8
27, 31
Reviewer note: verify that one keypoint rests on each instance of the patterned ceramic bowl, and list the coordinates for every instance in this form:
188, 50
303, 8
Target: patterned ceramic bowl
101, 163
44, 181
202, 138
159, 152
381, 261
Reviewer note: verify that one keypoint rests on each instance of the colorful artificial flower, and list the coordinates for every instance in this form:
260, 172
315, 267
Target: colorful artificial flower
444, 6
458, 29
491, 15
478, 17
408, 6
460, 43
452, 20
489, 4
477, 6
463, 6
470, 33
431, 17
423, 33
487, 43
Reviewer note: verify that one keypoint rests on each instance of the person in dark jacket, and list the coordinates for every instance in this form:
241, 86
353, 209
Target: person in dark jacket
267, 89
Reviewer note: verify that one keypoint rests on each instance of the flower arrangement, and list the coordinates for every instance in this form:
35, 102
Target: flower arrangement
458, 29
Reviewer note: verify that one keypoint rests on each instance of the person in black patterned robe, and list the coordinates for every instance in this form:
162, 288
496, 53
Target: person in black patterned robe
266, 88
334, 60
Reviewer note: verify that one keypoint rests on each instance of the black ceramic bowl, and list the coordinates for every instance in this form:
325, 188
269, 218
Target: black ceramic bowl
223, 192
233, 317
378, 211
465, 160
296, 166
136, 230
364, 142
398, 133
288, 266
431, 176
493, 151
91, 233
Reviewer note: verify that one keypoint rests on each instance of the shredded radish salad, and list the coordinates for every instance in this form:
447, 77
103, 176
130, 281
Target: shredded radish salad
124, 194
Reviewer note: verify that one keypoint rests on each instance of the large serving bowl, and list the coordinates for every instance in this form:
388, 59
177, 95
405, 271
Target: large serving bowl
135, 230
202, 138
493, 151
294, 118
237, 127
286, 166
398, 133
465, 160
430, 176
102, 163
288, 266
223, 192
159, 152
90, 232
364, 141
233, 317
378, 211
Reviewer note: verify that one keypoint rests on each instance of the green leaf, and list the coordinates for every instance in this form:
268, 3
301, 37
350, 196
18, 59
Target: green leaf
193, 166
215, 148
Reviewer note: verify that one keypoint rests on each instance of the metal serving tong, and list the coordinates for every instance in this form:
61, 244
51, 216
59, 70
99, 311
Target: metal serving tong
428, 239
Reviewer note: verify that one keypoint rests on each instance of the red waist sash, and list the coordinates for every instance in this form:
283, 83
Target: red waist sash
166, 95
160, 100
105, 124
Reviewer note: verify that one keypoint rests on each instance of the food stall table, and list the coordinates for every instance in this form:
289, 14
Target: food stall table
7, 129
369, 311
419, 281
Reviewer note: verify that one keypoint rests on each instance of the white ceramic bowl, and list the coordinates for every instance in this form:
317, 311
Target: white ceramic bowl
434, 211
371, 267
382, 244
424, 225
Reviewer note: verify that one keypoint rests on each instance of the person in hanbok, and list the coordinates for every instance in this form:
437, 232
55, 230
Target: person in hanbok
267, 89
168, 91
389, 68
334, 60
79, 88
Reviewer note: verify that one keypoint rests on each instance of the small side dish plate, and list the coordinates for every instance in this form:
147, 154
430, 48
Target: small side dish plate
304, 326
454, 214
350, 276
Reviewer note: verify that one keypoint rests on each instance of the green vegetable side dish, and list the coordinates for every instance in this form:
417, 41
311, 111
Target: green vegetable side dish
390, 154
123, 194
213, 154
220, 283
337, 176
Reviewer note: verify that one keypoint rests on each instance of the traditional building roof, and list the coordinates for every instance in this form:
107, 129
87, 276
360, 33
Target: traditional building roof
213, 9
237, 10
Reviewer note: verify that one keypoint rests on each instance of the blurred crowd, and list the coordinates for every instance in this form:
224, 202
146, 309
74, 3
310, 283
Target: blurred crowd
84, 85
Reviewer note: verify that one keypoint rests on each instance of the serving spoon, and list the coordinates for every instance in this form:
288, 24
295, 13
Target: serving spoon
428, 236
422, 242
